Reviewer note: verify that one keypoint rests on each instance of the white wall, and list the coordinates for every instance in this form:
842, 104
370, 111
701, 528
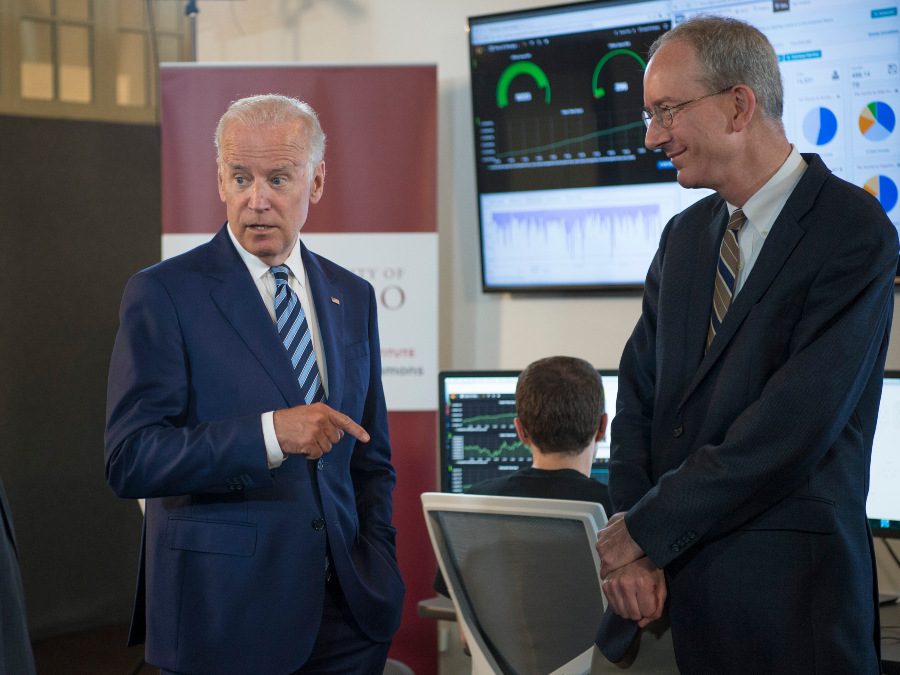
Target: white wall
477, 330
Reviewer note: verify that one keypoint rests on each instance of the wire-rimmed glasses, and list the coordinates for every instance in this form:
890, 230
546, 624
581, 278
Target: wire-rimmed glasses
665, 114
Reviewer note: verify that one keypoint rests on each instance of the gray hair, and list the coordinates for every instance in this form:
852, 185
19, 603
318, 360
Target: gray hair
732, 52
271, 110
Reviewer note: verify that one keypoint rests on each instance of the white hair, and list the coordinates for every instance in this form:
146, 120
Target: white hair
271, 110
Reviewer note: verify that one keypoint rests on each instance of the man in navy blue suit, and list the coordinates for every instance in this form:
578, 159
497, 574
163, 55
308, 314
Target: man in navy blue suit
749, 389
245, 403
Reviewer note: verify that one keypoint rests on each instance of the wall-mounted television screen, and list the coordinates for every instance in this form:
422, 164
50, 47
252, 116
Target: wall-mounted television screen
568, 196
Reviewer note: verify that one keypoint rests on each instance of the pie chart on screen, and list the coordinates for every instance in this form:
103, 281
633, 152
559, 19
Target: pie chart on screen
884, 190
877, 121
819, 126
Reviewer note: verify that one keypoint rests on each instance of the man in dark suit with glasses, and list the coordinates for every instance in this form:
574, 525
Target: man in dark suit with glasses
749, 389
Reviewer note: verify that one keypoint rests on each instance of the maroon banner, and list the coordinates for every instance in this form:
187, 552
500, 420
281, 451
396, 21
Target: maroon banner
381, 176
380, 157
414, 443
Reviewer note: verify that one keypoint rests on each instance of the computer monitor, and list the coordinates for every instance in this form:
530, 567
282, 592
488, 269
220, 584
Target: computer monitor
883, 504
568, 196
478, 439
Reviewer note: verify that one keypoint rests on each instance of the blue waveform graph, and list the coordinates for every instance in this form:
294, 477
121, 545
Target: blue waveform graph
571, 246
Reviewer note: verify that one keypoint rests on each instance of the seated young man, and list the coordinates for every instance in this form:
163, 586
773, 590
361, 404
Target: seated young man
559, 408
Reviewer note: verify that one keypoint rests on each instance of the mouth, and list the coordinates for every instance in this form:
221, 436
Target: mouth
259, 228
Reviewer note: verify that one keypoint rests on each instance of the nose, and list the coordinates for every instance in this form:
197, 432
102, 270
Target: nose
657, 135
259, 196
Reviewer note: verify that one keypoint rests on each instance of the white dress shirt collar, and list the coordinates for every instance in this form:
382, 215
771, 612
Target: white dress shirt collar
258, 269
763, 208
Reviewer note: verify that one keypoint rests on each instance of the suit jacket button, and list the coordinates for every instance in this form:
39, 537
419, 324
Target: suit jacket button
676, 548
318, 524
321, 464
678, 431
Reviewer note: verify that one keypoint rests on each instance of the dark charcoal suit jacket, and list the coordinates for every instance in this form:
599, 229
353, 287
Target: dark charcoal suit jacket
744, 472
232, 575
15, 647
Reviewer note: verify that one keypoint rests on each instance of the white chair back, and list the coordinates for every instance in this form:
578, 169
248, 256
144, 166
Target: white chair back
524, 578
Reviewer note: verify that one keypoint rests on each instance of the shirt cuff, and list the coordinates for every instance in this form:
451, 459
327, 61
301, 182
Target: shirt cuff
273, 447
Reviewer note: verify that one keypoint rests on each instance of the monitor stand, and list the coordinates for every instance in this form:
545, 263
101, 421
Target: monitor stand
887, 599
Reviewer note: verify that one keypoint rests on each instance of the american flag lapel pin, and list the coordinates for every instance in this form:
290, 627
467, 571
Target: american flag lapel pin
335, 300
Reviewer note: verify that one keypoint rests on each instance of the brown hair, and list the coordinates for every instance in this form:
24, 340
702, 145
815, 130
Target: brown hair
559, 401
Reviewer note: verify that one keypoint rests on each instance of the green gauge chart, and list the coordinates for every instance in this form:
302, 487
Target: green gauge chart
600, 92
521, 68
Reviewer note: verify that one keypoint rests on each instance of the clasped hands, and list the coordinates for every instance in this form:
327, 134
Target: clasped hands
311, 430
634, 587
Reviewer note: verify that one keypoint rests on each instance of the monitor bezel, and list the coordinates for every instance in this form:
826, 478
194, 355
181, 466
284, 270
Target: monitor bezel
549, 289
631, 289
444, 477
893, 530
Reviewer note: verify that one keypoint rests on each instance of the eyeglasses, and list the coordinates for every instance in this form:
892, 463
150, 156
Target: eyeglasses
665, 114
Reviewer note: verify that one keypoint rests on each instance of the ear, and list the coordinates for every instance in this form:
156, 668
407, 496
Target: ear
221, 180
601, 432
520, 432
744, 101
317, 184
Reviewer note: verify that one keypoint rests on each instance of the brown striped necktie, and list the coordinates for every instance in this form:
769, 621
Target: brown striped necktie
726, 273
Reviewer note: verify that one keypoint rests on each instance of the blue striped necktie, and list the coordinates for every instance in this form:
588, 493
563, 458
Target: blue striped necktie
296, 336
726, 273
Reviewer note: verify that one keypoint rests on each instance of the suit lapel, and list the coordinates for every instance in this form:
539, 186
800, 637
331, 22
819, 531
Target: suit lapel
239, 300
330, 317
784, 236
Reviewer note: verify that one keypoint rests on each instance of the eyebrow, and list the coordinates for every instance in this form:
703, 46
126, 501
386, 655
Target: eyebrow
284, 168
665, 100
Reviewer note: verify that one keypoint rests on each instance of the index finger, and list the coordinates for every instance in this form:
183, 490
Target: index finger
341, 421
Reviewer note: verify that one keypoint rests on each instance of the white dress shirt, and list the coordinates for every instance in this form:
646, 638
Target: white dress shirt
299, 283
762, 210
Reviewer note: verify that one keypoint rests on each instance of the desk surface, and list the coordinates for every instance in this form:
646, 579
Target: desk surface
438, 607
442, 608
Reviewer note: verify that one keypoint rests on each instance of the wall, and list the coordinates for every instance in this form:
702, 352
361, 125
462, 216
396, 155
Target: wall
81, 214
477, 330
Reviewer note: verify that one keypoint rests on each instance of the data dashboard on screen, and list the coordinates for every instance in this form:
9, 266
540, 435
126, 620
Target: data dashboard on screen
569, 197
478, 438
883, 503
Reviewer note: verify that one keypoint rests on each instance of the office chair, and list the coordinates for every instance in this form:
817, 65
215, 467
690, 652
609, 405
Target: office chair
524, 578
393, 667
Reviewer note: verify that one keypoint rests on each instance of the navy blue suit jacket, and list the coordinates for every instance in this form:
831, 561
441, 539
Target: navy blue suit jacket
15, 646
744, 472
232, 575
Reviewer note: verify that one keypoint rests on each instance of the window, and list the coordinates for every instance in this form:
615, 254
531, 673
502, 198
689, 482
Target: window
55, 44
135, 51
88, 59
